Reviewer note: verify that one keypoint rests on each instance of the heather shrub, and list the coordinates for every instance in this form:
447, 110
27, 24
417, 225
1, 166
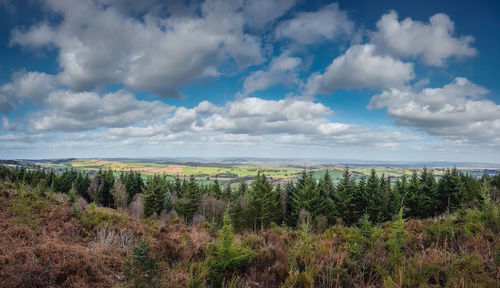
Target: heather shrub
141, 270
97, 217
439, 231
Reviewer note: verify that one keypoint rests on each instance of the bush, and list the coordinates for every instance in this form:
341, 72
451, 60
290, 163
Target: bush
438, 231
141, 270
225, 256
98, 217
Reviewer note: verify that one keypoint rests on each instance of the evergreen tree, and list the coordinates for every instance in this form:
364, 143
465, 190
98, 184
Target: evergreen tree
398, 193
263, 203
414, 199
343, 197
386, 190
444, 191
226, 257
359, 200
215, 189
456, 190
429, 192
236, 210
155, 194
327, 191
306, 195
373, 196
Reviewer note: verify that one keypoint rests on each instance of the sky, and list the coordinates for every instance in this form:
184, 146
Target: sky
365, 80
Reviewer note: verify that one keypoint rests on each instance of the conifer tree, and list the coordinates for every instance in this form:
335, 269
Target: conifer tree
343, 197
305, 196
414, 199
456, 190
263, 203
359, 201
155, 194
429, 192
373, 197
225, 256
327, 191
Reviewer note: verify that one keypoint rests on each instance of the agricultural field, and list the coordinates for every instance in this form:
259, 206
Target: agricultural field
236, 172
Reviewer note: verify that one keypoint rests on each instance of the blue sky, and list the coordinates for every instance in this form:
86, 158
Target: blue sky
372, 80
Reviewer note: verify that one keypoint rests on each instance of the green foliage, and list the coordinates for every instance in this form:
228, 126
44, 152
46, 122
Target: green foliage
438, 231
141, 270
395, 243
342, 197
263, 203
306, 196
225, 256
97, 217
156, 195
133, 183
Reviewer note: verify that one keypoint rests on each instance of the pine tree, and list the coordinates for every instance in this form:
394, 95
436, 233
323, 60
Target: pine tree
236, 210
456, 190
193, 197
142, 270
444, 191
359, 201
343, 197
386, 190
263, 203
225, 257
215, 189
306, 195
414, 199
327, 191
398, 193
155, 193
373, 197
429, 192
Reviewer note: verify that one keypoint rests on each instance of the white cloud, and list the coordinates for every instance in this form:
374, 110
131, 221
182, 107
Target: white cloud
261, 12
432, 42
34, 86
5, 104
98, 45
360, 67
456, 111
312, 27
282, 70
79, 111
271, 121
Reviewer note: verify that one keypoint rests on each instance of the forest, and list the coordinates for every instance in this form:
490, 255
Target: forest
416, 231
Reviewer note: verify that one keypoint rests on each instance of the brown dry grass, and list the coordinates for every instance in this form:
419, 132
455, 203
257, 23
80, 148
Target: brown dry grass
52, 253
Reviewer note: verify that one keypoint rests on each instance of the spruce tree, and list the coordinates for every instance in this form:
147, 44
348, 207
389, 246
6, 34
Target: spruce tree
327, 191
306, 195
414, 199
429, 190
342, 197
373, 197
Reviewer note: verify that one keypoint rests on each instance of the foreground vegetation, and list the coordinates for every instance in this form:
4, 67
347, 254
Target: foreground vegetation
308, 234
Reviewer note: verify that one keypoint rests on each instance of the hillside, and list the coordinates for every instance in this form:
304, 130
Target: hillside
54, 239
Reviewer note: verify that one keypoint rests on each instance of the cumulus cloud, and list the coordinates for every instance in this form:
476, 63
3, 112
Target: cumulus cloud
261, 12
312, 27
360, 67
432, 42
98, 45
79, 111
5, 104
282, 70
458, 111
255, 119
35, 86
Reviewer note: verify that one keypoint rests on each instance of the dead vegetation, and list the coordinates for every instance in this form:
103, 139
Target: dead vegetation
49, 242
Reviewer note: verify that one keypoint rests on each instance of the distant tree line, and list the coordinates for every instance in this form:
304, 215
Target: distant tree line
259, 205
